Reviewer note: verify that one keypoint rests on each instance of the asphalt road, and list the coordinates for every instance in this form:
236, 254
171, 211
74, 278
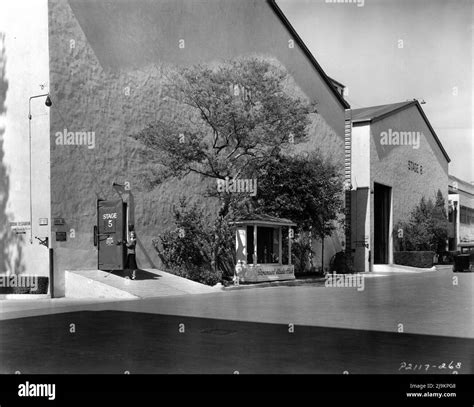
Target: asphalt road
336, 330
117, 341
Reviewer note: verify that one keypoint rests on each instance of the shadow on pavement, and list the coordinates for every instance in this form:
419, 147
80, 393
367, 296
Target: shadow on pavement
140, 274
118, 341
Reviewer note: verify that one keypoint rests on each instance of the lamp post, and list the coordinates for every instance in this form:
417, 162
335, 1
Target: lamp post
47, 103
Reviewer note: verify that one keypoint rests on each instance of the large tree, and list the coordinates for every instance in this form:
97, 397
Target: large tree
239, 119
306, 188
234, 117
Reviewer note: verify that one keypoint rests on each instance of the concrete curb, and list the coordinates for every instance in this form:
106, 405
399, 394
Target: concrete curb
394, 268
283, 283
23, 296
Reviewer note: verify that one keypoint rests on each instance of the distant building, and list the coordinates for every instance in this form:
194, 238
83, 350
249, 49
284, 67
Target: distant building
397, 159
339, 86
461, 212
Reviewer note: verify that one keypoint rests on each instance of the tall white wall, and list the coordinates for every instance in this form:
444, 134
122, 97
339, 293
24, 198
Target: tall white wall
360, 156
360, 197
25, 56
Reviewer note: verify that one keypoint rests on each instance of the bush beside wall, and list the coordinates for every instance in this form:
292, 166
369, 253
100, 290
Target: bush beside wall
414, 259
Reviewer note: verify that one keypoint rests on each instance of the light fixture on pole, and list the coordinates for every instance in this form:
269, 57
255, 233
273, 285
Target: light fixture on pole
48, 103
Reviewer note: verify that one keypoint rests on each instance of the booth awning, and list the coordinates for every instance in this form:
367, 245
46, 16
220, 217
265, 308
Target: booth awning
264, 220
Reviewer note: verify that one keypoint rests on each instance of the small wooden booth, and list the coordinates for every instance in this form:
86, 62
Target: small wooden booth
260, 251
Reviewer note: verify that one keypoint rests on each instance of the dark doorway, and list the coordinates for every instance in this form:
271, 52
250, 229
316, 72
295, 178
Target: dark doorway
111, 222
381, 223
250, 245
267, 247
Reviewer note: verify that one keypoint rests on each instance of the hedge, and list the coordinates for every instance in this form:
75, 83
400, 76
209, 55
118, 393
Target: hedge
414, 259
42, 286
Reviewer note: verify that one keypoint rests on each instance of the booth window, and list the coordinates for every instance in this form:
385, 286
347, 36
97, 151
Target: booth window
267, 245
250, 245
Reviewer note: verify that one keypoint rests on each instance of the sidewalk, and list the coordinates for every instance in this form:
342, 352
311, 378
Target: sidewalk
398, 268
95, 289
380, 270
148, 283
317, 281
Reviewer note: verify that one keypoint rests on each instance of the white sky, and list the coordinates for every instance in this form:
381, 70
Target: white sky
359, 46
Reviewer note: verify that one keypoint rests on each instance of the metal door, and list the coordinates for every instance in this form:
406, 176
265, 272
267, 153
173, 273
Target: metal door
111, 234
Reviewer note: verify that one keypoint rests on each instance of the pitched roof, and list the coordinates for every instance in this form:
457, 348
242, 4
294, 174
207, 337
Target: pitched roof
337, 82
464, 186
308, 53
376, 113
253, 219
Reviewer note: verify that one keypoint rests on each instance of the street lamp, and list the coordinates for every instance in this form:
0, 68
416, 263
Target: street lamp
48, 103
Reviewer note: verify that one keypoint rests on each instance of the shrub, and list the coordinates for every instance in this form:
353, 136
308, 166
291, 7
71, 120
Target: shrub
300, 253
427, 227
199, 274
197, 250
422, 259
340, 263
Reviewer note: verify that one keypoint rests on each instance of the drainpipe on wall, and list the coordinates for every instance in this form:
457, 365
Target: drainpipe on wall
51, 272
46, 242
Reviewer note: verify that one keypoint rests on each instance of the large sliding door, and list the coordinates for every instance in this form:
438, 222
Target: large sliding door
381, 223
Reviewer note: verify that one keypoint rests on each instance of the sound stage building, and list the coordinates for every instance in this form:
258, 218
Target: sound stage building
397, 159
101, 66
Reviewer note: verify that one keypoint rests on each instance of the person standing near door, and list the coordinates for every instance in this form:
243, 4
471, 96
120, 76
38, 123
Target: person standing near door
131, 264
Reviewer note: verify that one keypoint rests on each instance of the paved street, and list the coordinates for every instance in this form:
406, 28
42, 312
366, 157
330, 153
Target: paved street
410, 318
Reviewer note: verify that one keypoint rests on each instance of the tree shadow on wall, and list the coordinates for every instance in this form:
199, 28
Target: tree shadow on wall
10, 243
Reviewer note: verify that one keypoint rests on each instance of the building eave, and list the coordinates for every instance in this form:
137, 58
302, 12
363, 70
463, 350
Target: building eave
360, 122
307, 52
